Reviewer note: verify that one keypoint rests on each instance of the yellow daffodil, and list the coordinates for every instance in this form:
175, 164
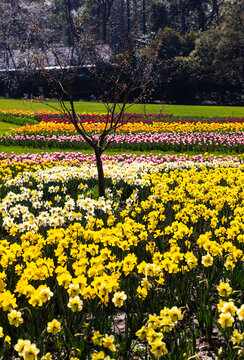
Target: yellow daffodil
54, 326
119, 298
207, 260
15, 318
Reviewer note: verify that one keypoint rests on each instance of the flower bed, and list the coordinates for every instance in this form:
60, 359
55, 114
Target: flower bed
147, 273
77, 158
48, 128
182, 141
136, 118
150, 132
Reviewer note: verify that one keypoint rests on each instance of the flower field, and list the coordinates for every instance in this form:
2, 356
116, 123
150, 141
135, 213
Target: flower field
151, 132
153, 270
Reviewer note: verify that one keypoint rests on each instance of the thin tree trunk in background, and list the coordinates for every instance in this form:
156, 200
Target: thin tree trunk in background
144, 17
201, 16
104, 21
69, 21
183, 20
17, 73
122, 16
215, 10
201, 20
98, 22
134, 11
128, 15
106, 7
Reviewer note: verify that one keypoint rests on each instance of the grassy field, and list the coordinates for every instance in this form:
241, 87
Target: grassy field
176, 110
5, 127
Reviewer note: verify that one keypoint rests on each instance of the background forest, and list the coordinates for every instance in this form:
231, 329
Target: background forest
202, 43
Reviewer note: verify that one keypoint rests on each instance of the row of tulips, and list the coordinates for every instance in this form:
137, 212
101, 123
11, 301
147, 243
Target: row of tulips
102, 118
132, 118
136, 127
15, 115
59, 117
77, 158
152, 271
202, 142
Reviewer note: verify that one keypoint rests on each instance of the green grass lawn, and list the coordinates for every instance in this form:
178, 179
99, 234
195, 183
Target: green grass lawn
5, 127
176, 110
18, 150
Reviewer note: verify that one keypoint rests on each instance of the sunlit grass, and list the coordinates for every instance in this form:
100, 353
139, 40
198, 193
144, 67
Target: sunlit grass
26, 150
177, 110
5, 127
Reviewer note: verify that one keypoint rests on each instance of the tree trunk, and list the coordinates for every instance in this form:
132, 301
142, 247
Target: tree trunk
201, 17
100, 173
134, 11
215, 11
104, 21
69, 22
122, 16
128, 15
183, 20
144, 17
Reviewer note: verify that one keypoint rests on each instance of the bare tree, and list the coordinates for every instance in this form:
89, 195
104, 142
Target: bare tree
124, 80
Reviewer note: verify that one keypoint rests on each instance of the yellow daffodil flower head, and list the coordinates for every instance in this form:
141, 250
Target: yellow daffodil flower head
142, 292
30, 352
73, 290
15, 318
97, 338
45, 294
119, 298
7, 339
47, 356
224, 289
19, 347
54, 326
108, 342
228, 307
175, 314
142, 332
98, 356
207, 260
75, 304
226, 320
158, 348
240, 313
237, 337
